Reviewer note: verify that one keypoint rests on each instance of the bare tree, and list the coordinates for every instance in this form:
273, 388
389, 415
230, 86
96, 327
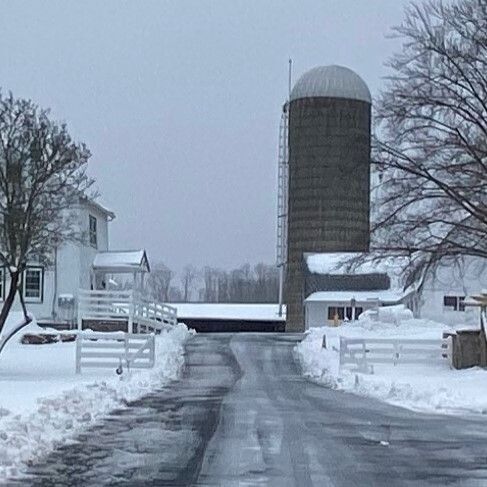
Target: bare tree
210, 281
431, 147
42, 176
159, 282
187, 280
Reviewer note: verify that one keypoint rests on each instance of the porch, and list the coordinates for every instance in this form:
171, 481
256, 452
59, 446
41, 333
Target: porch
127, 311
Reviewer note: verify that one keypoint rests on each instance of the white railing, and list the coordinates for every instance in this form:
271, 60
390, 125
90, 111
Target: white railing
124, 306
364, 352
115, 350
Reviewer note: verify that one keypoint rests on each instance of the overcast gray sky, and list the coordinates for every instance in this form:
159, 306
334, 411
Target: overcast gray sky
179, 102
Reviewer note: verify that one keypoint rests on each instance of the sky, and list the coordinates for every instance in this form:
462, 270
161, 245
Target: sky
179, 102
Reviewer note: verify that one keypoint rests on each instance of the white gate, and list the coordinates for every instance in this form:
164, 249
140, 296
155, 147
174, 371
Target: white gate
114, 350
364, 352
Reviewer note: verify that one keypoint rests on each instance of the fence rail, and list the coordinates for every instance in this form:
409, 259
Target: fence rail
141, 315
364, 352
114, 350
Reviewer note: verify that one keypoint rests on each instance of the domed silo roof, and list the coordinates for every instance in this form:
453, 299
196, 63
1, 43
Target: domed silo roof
331, 82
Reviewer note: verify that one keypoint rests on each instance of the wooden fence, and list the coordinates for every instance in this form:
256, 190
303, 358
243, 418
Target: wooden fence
124, 307
364, 352
115, 350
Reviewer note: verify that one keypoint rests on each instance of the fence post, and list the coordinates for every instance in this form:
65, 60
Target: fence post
342, 351
364, 366
79, 339
153, 350
395, 358
127, 356
80, 310
130, 326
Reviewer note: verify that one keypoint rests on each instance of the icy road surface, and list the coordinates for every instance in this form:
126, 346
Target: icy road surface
242, 415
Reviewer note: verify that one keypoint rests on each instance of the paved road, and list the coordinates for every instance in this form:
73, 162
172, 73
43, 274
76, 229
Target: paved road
242, 415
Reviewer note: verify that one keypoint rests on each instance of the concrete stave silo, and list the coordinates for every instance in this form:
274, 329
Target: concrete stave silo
329, 173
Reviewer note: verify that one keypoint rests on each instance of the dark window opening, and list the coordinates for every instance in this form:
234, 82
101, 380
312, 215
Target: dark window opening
349, 312
93, 235
455, 303
336, 311
33, 283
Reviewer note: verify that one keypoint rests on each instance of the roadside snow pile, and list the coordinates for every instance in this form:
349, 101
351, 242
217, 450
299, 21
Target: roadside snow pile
44, 403
431, 387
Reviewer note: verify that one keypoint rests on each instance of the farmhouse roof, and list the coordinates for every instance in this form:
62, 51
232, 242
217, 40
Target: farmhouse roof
389, 296
122, 261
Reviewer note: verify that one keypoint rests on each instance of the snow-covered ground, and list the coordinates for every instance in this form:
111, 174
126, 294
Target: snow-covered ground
229, 311
43, 402
433, 387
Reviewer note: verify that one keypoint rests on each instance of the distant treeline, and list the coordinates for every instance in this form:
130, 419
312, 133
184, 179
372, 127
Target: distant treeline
246, 284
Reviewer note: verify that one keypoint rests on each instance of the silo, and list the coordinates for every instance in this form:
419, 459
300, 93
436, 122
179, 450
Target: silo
329, 173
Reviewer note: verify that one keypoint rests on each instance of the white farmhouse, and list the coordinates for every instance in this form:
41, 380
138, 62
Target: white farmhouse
443, 296
332, 292
51, 292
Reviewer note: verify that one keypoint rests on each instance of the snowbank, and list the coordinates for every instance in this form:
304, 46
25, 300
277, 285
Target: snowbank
16, 319
43, 402
433, 387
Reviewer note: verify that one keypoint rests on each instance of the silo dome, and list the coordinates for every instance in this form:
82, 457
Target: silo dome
331, 82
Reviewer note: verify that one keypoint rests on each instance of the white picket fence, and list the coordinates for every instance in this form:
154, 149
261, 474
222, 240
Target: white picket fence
115, 350
365, 352
141, 315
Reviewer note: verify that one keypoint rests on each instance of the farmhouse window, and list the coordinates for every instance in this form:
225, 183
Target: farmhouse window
93, 235
336, 310
33, 283
454, 303
349, 312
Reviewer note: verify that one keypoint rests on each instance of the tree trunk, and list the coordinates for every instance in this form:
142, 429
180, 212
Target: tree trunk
24, 307
9, 300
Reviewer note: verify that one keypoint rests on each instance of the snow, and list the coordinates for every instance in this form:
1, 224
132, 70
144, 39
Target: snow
434, 387
119, 259
384, 296
66, 296
338, 263
333, 263
229, 311
15, 319
44, 403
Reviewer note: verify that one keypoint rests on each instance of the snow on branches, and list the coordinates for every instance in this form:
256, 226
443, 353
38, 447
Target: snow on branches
430, 148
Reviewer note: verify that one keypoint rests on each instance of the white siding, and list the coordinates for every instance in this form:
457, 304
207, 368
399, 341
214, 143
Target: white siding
464, 280
316, 312
73, 265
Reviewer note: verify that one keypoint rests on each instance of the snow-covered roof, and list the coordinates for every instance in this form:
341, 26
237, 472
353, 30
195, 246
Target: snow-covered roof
384, 296
337, 263
229, 311
98, 205
122, 261
331, 82
349, 263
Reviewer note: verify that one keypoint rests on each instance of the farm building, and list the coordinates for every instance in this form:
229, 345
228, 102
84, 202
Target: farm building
334, 291
328, 173
51, 293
